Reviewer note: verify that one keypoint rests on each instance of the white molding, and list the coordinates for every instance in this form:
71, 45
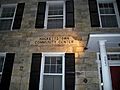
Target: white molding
13, 17
104, 35
7, 5
3, 54
53, 74
63, 72
41, 73
53, 53
64, 15
52, 2
105, 1
46, 16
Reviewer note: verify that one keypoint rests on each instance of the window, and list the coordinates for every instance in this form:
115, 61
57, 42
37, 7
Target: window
55, 15
52, 72
7, 16
104, 13
112, 56
108, 14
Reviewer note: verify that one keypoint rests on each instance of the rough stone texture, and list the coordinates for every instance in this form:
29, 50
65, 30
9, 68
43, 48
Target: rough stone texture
19, 42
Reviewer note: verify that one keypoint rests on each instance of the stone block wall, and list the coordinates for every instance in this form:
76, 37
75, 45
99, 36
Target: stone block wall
19, 41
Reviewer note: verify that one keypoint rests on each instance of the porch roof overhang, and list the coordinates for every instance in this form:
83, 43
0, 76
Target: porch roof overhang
112, 40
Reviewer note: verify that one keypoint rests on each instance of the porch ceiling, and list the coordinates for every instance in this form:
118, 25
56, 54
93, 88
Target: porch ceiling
113, 40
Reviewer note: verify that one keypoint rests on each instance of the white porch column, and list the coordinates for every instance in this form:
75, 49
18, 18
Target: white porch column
107, 82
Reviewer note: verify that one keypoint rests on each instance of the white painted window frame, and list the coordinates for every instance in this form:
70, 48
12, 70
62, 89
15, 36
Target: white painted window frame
42, 68
3, 54
115, 9
46, 12
9, 5
111, 63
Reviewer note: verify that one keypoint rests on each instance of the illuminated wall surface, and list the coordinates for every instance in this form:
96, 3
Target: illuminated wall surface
28, 40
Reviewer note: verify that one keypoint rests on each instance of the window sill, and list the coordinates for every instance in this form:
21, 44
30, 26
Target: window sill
109, 28
57, 29
9, 30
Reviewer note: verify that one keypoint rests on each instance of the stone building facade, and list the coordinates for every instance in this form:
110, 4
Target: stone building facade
27, 40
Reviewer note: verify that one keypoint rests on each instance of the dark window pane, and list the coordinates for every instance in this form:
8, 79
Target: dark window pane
54, 12
8, 12
55, 23
100, 5
109, 21
108, 56
48, 82
119, 57
47, 60
102, 11
53, 69
5, 24
114, 57
59, 68
59, 60
52, 82
111, 11
55, 9
106, 9
53, 60
57, 82
105, 5
111, 5
47, 68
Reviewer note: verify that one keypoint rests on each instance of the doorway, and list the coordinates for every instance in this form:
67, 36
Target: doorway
114, 63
